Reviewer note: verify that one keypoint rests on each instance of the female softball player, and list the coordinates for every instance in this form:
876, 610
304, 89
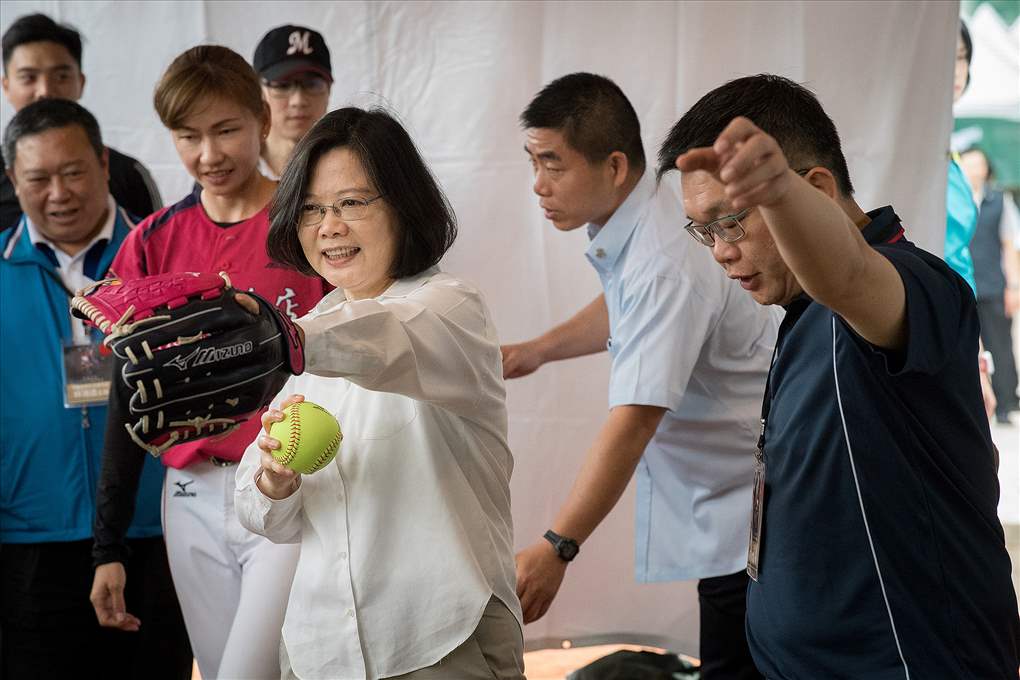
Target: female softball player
232, 584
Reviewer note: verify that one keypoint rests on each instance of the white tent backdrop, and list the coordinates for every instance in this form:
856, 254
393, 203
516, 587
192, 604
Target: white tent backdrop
994, 90
459, 73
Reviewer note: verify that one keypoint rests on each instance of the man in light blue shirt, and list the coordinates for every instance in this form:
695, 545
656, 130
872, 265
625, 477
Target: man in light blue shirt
689, 361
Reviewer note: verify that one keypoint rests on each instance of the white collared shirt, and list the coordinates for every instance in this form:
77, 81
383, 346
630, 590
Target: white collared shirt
686, 338
266, 170
408, 533
71, 268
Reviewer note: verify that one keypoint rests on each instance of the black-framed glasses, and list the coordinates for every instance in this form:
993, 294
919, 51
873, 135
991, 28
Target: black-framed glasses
282, 89
728, 228
348, 209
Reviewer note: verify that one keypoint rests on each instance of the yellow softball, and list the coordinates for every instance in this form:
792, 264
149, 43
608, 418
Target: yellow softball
309, 437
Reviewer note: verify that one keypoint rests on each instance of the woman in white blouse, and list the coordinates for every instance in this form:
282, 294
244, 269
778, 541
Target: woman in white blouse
407, 566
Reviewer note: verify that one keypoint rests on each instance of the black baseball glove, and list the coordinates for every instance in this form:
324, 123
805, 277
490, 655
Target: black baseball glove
191, 362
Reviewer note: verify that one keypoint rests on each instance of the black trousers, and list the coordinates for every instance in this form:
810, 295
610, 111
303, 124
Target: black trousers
48, 628
724, 651
997, 335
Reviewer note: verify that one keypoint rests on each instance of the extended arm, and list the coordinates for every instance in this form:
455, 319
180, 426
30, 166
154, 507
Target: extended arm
436, 344
836, 266
604, 476
815, 236
584, 333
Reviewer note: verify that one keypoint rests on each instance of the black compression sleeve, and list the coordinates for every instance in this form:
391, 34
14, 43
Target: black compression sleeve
119, 477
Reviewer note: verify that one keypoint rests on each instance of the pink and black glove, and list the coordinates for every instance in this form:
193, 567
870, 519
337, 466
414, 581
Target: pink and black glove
191, 362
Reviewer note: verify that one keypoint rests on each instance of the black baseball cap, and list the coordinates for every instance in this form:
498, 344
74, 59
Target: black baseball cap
288, 50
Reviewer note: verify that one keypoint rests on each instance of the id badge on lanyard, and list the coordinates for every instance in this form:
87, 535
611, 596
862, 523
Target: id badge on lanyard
757, 508
87, 369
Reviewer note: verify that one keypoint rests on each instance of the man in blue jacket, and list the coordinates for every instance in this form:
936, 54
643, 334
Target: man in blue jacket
52, 428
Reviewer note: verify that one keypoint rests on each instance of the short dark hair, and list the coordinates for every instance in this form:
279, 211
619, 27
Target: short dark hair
596, 118
40, 28
783, 109
426, 224
47, 114
968, 44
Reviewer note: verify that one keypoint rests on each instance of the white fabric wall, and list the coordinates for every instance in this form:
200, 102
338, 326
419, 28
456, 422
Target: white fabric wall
459, 73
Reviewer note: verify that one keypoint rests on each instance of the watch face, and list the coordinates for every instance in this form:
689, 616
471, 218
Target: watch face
568, 550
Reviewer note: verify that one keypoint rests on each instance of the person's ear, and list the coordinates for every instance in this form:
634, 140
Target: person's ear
104, 163
267, 119
619, 166
823, 180
9, 171
81, 84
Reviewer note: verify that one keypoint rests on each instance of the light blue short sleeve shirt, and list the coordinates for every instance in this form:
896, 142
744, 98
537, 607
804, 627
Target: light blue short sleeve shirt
686, 338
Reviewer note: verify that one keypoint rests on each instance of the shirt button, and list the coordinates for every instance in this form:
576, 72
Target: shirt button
343, 556
599, 252
350, 613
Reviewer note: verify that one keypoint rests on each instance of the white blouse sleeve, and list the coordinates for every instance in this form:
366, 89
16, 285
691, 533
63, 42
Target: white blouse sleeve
434, 344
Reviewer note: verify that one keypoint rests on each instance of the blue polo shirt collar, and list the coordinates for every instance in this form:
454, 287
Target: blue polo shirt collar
608, 242
884, 227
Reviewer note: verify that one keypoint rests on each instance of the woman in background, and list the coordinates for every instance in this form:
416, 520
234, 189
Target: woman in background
961, 212
231, 583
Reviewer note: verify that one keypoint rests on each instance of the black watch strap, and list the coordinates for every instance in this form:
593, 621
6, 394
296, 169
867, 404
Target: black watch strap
566, 548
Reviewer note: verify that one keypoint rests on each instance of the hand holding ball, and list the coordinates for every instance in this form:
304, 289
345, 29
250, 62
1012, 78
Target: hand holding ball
309, 437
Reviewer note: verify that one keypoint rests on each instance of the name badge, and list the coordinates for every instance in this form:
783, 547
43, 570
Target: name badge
87, 370
757, 515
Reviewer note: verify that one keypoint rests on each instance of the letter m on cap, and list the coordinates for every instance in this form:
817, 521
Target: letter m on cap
299, 42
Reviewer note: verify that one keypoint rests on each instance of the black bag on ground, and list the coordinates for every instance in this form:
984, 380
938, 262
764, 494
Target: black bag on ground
630, 665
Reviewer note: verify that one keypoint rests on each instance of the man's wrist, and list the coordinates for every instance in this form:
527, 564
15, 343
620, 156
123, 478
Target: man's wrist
542, 347
566, 548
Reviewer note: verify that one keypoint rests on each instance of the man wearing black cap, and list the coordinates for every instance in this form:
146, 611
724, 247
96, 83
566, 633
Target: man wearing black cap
293, 62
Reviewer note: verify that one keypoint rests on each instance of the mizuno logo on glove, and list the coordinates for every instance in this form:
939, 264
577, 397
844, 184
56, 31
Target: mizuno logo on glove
209, 355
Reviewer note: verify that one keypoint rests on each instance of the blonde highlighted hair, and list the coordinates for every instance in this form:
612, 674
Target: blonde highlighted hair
206, 71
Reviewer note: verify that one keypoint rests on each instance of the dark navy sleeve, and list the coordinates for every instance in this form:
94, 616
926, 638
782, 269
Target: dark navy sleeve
132, 186
941, 313
119, 477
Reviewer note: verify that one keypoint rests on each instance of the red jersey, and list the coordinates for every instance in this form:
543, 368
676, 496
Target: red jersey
182, 238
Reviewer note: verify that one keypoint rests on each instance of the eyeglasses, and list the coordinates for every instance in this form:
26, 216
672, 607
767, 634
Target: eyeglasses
281, 89
346, 209
728, 228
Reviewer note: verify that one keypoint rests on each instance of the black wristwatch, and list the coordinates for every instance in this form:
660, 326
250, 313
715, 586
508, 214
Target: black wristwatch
566, 548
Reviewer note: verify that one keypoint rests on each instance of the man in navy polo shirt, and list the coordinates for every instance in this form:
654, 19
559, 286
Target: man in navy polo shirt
875, 548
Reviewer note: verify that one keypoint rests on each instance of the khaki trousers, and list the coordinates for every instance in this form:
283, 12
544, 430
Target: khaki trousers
495, 651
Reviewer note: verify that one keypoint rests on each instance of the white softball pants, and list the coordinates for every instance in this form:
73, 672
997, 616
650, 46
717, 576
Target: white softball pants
233, 585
